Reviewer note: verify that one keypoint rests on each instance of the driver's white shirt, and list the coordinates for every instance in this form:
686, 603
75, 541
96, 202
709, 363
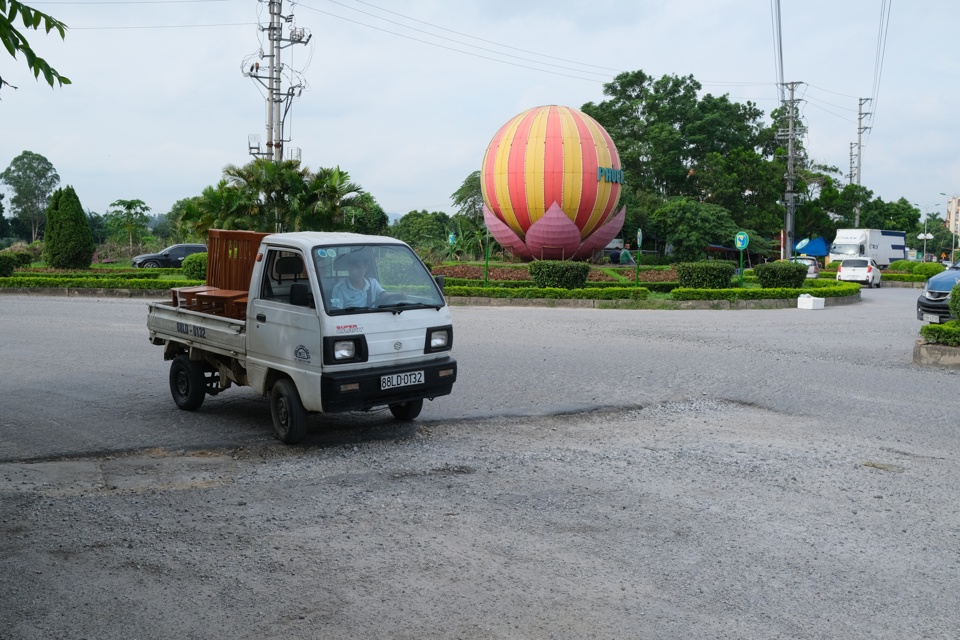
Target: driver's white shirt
346, 295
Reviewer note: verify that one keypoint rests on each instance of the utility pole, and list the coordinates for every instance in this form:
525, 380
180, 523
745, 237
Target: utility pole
270, 76
860, 130
793, 130
850, 175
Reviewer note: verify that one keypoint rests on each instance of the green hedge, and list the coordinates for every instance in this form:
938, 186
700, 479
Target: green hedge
552, 293
659, 287
562, 274
828, 290
903, 277
32, 282
147, 274
947, 334
710, 274
781, 275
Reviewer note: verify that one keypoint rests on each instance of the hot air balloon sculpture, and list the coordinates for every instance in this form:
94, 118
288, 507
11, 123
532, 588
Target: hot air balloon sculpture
551, 180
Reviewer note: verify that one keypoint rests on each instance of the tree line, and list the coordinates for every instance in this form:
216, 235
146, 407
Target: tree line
697, 168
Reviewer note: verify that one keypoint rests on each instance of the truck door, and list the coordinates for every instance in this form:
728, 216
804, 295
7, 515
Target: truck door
283, 328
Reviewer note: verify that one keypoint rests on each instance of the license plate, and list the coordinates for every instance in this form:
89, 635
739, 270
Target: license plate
929, 317
401, 380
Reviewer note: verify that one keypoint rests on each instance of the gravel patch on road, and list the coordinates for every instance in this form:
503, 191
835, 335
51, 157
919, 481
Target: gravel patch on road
703, 518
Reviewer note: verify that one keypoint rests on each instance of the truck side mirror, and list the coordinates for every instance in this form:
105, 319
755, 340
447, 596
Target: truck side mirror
861, 249
439, 281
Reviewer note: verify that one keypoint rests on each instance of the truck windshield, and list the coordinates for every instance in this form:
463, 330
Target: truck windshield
845, 249
371, 278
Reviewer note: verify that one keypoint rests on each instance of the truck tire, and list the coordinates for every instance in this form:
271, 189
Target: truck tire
188, 386
406, 410
289, 416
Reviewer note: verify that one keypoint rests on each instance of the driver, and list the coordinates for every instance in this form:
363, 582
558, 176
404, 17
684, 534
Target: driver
356, 289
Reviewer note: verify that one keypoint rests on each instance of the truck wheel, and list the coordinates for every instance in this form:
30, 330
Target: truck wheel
188, 386
406, 410
289, 416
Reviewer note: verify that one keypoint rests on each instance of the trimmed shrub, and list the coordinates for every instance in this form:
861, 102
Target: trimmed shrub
781, 275
710, 274
68, 240
903, 265
561, 274
928, 269
954, 302
947, 334
8, 262
195, 266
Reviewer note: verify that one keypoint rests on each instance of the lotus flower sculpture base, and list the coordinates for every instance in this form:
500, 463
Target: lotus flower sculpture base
554, 236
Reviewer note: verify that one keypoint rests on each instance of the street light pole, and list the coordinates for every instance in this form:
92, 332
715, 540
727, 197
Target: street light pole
924, 236
953, 225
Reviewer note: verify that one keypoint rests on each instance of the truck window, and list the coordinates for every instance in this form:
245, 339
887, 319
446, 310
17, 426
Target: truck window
371, 278
285, 279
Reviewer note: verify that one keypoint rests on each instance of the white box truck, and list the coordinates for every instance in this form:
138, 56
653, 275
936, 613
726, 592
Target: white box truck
317, 322
879, 244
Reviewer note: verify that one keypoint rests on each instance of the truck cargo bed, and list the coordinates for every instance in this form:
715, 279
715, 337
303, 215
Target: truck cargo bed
195, 329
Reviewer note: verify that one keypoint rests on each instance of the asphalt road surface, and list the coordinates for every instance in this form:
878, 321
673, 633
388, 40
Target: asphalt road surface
80, 377
596, 473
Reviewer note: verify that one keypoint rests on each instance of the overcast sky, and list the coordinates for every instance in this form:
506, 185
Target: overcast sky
405, 95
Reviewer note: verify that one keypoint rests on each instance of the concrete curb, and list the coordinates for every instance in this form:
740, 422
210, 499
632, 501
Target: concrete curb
928, 354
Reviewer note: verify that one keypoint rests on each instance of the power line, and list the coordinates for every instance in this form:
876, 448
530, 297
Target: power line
476, 55
165, 26
885, 9
777, 46
466, 35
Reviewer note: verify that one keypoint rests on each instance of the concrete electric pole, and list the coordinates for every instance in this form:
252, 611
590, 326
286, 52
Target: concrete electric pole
270, 76
792, 132
860, 130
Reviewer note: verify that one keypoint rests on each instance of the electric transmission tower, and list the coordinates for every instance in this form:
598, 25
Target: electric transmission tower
267, 68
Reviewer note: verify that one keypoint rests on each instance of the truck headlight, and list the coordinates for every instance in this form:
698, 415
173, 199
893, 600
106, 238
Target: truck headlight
344, 350
439, 339
340, 350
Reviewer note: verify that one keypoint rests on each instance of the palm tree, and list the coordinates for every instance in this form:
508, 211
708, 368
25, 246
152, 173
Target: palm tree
270, 188
328, 193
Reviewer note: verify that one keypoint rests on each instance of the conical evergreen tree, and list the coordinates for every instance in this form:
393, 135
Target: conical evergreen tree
68, 242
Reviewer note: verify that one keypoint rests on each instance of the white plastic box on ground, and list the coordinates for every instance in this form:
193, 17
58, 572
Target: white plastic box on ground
809, 302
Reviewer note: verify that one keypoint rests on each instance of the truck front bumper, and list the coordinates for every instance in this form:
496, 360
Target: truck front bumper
361, 390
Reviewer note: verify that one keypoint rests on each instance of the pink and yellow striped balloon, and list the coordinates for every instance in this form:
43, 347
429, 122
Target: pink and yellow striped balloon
548, 155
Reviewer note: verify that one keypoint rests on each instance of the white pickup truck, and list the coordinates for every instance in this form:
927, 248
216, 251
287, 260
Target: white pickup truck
329, 322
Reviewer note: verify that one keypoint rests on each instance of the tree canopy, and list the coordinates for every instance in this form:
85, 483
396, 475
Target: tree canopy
68, 243
127, 219
32, 179
272, 197
15, 42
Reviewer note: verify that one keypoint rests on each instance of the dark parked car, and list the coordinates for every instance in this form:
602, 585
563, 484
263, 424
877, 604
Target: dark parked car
169, 257
932, 305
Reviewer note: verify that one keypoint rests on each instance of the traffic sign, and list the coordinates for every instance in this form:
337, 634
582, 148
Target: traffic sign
803, 243
742, 240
